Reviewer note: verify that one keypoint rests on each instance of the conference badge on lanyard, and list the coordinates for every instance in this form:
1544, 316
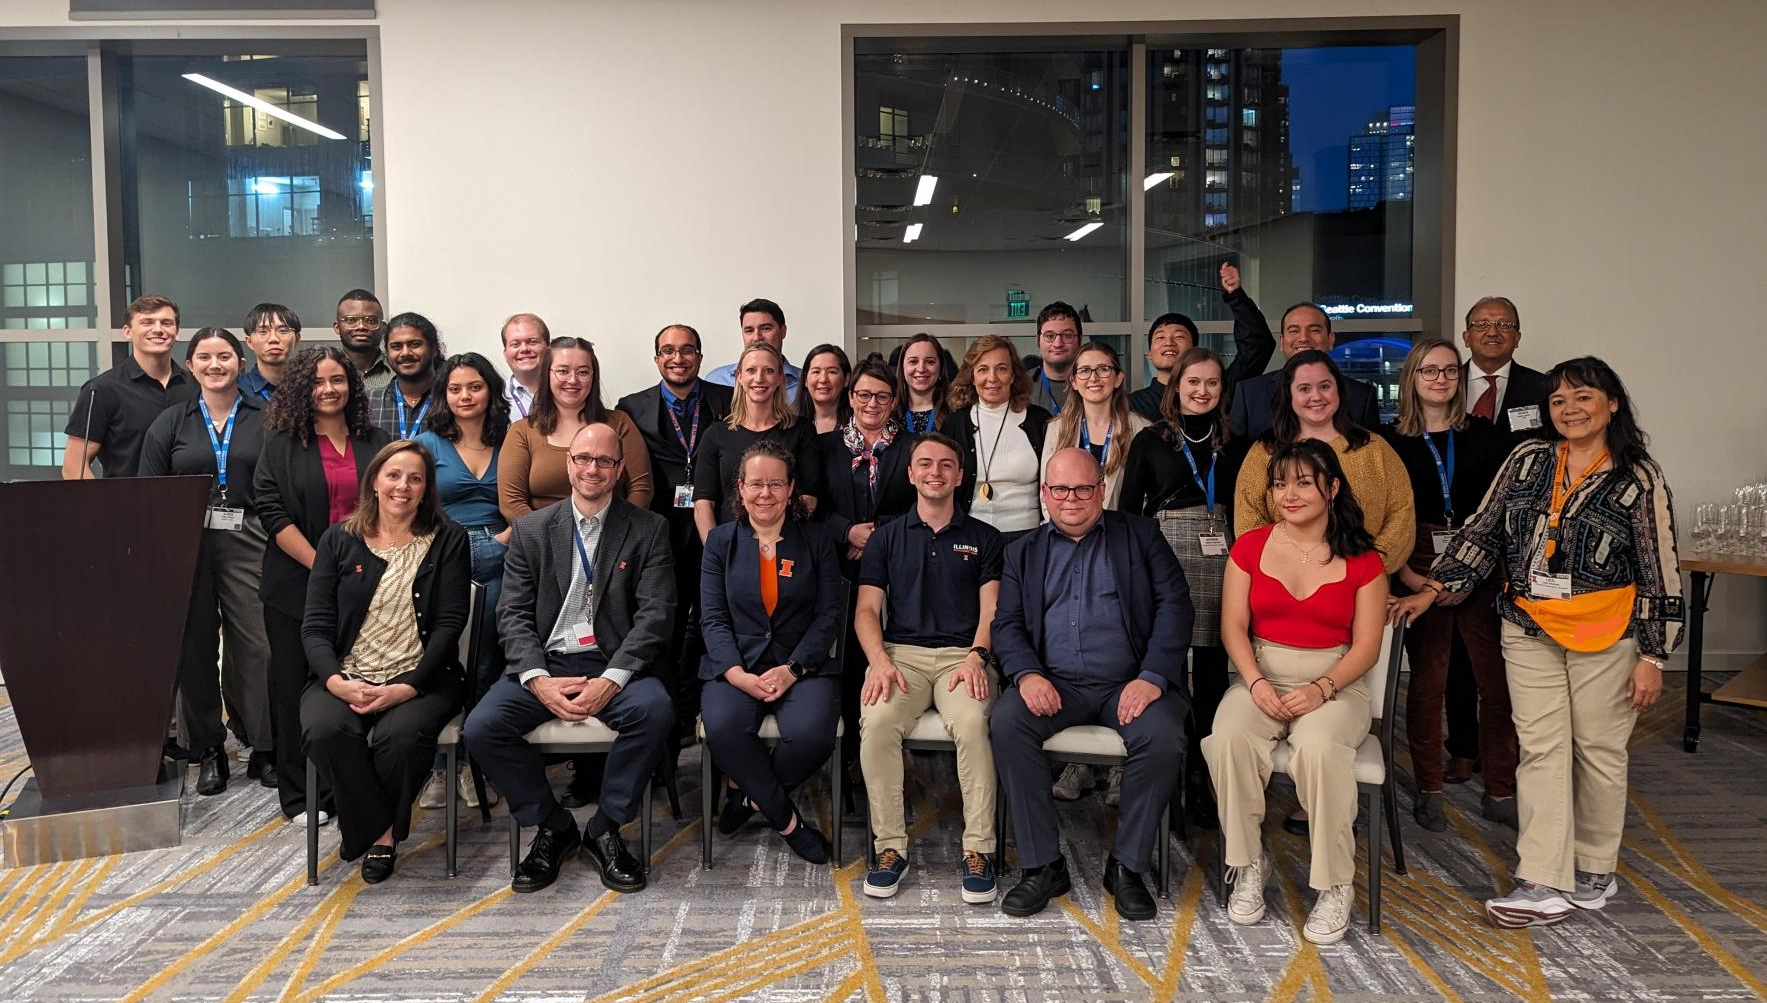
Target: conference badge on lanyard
688, 440
1212, 544
221, 516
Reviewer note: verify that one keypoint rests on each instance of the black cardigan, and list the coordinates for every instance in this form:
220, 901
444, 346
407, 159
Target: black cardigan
345, 575
289, 490
843, 503
962, 427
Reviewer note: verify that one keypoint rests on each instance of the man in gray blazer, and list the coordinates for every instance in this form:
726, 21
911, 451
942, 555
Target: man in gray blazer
588, 598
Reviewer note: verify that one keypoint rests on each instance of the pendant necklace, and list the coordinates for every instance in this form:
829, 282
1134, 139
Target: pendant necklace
1305, 555
985, 491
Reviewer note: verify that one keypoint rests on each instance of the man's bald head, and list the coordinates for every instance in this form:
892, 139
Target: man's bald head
1073, 491
596, 459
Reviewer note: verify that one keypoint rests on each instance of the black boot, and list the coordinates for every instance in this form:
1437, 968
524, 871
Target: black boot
212, 777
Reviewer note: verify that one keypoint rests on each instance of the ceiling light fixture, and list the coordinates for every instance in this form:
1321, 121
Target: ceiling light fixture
262, 105
923, 193
912, 234
1155, 179
1083, 231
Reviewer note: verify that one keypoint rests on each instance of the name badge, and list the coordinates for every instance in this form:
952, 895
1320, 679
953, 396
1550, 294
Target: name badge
1441, 540
221, 517
1213, 544
1544, 586
1521, 419
683, 496
584, 633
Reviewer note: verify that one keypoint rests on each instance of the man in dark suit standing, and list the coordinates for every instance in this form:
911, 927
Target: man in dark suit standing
1498, 388
673, 417
1092, 625
588, 596
1304, 326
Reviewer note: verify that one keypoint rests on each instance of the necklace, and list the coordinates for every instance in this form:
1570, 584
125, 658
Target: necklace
985, 490
1305, 555
1199, 441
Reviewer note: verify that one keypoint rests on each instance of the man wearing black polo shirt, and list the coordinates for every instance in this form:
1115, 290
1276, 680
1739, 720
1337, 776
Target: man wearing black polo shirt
945, 571
114, 408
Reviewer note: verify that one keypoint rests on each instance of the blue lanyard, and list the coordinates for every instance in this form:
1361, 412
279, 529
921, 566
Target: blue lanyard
221, 443
406, 431
1208, 489
266, 391
1086, 440
691, 437
1444, 473
1049, 392
583, 555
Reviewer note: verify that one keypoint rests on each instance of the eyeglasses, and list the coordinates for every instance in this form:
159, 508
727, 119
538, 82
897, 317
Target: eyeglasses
1060, 335
670, 352
561, 373
1502, 326
582, 461
371, 320
1105, 371
773, 486
867, 396
1061, 492
267, 329
1437, 372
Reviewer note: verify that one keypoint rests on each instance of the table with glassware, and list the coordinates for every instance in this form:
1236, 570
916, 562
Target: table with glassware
1732, 541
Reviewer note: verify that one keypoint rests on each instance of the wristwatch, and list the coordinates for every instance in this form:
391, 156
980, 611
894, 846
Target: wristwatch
986, 653
798, 669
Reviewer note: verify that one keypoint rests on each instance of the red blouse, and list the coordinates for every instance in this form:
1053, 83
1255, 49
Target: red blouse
1324, 619
340, 478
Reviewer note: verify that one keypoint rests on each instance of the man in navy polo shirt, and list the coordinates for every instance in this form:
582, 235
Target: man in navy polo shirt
940, 572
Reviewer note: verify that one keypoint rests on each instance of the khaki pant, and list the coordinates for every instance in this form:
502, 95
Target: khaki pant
1573, 719
882, 726
1322, 761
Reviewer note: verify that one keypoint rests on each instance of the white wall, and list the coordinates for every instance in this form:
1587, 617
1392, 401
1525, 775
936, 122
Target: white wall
618, 165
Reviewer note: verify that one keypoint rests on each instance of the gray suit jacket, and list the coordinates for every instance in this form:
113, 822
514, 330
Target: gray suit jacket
634, 586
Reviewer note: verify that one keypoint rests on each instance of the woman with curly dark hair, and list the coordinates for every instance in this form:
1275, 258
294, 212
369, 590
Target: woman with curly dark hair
318, 441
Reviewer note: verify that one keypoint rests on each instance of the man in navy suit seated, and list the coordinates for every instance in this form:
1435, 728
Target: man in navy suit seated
1092, 627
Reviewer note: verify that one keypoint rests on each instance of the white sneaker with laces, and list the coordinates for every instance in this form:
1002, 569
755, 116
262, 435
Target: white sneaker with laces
1245, 905
1330, 917
1593, 890
470, 796
435, 791
1074, 782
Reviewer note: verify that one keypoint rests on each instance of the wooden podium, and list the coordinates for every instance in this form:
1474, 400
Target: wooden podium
98, 577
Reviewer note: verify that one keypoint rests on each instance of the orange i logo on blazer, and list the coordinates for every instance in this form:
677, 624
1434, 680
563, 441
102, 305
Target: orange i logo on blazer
785, 568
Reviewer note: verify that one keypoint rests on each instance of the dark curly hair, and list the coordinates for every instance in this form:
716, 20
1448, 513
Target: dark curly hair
767, 449
1344, 532
291, 407
441, 417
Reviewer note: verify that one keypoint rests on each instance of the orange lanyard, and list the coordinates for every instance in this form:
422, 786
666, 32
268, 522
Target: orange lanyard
1562, 489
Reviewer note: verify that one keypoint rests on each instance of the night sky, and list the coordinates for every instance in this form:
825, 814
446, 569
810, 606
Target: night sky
1332, 95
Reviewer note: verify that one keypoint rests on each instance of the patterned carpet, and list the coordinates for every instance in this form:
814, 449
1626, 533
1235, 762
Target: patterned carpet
228, 915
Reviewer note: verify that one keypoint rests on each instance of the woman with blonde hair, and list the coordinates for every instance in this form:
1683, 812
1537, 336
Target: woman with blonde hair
758, 411
1096, 416
1002, 436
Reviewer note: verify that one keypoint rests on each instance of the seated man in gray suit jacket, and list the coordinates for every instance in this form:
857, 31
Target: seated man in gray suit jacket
588, 597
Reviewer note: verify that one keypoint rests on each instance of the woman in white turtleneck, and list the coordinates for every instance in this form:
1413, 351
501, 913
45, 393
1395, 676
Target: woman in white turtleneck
1001, 434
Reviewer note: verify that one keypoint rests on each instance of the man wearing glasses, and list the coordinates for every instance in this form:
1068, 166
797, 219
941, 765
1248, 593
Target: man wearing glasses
673, 417
1498, 389
1058, 341
273, 333
1092, 625
588, 596
360, 325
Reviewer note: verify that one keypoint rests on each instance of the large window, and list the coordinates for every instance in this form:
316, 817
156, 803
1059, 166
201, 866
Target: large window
994, 175
219, 171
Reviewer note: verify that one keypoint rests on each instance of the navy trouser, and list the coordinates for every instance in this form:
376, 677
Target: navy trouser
496, 729
1155, 741
807, 714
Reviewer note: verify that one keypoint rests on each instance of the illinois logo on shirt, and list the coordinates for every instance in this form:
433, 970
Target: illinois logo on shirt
785, 568
966, 550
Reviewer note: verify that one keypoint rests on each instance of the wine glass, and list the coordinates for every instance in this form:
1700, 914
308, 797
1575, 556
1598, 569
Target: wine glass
1705, 519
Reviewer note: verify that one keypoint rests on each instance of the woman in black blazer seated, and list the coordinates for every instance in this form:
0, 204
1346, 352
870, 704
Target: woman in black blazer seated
770, 595
387, 601
318, 439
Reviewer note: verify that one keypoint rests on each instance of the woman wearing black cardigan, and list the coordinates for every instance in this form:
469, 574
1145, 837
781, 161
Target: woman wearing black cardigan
386, 603
318, 441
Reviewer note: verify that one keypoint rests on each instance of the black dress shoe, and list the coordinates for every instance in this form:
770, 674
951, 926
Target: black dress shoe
1034, 890
1133, 899
173, 750
736, 814
620, 871
212, 778
377, 864
267, 775
546, 854
253, 766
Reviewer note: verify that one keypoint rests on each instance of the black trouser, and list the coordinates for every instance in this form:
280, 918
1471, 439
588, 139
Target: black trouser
685, 644
288, 680
375, 763
1462, 700
1154, 740
807, 713
496, 733
1208, 684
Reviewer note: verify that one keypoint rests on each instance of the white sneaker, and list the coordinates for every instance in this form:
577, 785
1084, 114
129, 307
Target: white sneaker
1593, 890
1245, 905
1529, 904
435, 791
470, 796
1113, 786
1330, 917
243, 754
1074, 782
301, 819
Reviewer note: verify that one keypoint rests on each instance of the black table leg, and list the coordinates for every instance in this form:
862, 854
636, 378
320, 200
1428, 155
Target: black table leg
1696, 642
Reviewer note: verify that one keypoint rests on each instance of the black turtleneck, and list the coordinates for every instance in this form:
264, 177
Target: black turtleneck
1157, 477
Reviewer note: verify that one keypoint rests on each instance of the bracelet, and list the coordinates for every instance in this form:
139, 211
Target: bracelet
1437, 589
1660, 663
1333, 683
1322, 694
1258, 680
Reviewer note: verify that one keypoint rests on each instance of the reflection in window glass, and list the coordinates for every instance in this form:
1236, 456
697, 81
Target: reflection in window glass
243, 177
984, 173
40, 380
46, 182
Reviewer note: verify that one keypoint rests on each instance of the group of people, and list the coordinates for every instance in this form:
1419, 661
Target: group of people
1016, 544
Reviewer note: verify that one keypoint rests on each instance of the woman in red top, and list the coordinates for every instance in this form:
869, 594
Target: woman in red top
1303, 605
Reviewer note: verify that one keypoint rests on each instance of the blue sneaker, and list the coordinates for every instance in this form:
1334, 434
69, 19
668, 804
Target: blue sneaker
886, 879
978, 878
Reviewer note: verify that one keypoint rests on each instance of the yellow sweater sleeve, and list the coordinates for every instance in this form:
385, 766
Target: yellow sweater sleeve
1391, 516
1251, 492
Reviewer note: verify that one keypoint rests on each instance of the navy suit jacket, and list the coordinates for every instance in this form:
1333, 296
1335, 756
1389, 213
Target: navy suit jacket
843, 504
1250, 414
806, 619
1526, 386
1155, 597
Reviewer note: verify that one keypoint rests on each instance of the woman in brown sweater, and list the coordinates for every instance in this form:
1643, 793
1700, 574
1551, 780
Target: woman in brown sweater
531, 470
